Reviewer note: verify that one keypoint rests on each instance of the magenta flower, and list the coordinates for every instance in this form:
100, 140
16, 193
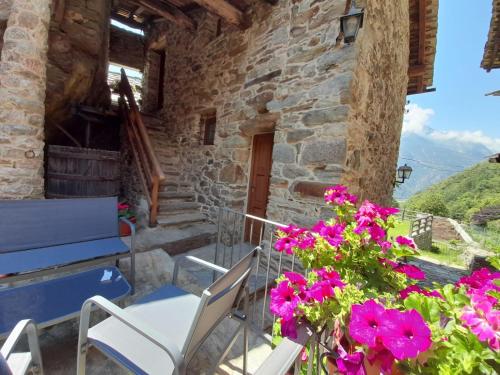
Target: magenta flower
403, 294
385, 212
405, 334
413, 272
350, 364
366, 320
296, 278
338, 195
483, 320
320, 291
331, 233
406, 241
286, 244
376, 232
388, 262
289, 328
307, 242
383, 356
385, 246
482, 279
284, 300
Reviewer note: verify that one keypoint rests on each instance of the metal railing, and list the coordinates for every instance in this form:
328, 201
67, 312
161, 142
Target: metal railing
239, 233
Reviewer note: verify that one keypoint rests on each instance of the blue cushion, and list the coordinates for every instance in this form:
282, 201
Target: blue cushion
48, 257
50, 301
31, 224
4, 367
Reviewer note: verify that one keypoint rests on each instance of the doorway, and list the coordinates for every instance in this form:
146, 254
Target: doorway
260, 175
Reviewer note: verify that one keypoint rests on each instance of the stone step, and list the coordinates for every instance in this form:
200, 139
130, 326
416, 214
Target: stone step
176, 240
182, 219
169, 206
187, 196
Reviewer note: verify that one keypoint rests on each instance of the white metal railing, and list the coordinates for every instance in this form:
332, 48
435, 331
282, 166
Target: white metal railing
239, 233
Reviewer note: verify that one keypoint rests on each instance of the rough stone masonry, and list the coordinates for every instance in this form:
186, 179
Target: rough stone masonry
22, 93
336, 110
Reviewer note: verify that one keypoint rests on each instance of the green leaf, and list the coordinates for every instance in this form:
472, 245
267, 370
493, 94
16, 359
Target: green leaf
427, 306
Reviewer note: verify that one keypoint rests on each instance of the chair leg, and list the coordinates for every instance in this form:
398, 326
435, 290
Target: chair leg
81, 360
34, 346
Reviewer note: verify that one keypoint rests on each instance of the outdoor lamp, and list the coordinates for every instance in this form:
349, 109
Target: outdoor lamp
351, 23
404, 174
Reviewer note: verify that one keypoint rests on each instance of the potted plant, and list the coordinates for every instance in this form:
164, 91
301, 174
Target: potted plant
364, 303
125, 212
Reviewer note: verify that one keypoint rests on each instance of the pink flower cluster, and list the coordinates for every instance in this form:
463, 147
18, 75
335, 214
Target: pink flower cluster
389, 333
294, 238
339, 196
483, 316
368, 220
411, 271
403, 294
294, 290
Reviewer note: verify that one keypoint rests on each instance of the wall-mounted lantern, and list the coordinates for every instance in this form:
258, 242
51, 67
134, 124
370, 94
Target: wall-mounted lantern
351, 23
403, 174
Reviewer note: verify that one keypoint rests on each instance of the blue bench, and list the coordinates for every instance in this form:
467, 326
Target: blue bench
44, 237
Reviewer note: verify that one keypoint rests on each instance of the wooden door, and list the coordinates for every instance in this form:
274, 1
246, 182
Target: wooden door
260, 175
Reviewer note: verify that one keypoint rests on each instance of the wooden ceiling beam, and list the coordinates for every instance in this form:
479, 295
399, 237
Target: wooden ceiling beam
416, 70
127, 21
226, 11
169, 12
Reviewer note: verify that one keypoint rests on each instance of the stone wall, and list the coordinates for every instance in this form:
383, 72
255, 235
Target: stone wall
78, 57
22, 93
126, 48
377, 100
336, 109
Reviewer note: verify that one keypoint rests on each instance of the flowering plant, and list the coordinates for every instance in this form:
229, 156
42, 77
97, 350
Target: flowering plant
361, 296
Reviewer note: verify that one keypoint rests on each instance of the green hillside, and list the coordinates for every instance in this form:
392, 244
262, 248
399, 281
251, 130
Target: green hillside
461, 195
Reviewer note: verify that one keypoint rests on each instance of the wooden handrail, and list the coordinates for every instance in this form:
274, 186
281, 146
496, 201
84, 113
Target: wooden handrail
149, 167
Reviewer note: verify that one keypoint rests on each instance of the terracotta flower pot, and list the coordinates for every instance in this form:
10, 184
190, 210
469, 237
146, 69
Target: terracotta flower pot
125, 230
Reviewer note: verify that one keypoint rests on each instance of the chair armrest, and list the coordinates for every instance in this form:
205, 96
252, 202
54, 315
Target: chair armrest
199, 261
29, 328
132, 251
144, 330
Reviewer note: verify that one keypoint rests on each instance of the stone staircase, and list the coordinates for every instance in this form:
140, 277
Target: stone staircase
180, 219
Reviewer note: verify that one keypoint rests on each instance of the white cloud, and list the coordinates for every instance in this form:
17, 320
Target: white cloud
417, 120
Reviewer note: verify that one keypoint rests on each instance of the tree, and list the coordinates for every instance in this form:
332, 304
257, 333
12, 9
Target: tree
432, 203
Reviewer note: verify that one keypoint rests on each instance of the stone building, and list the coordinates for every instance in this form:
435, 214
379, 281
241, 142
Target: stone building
491, 57
250, 104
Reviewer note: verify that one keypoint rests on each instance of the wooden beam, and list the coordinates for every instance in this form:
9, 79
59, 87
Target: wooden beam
226, 11
127, 21
169, 12
416, 70
422, 32
58, 10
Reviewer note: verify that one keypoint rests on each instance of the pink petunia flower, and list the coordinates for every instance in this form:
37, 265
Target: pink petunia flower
320, 291
483, 320
296, 278
403, 294
289, 328
339, 195
284, 300
376, 232
383, 356
331, 233
388, 262
285, 244
413, 272
385, 246
366, 320
350, 364
405, 334
406, 241
307, 242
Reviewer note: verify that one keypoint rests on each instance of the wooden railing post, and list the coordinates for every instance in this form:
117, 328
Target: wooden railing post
148, 165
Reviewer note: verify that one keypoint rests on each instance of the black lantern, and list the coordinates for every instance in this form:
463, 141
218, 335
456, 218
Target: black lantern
404, 174
351, 23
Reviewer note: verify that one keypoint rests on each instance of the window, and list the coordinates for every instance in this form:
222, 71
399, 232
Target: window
208, 123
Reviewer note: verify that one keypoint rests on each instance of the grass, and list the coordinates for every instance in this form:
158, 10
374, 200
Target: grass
487, 238
449, 253
401, 228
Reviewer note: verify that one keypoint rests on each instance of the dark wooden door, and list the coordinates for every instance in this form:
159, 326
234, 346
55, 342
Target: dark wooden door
260, 175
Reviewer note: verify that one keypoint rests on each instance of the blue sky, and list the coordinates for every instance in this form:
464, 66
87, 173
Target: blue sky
459, 108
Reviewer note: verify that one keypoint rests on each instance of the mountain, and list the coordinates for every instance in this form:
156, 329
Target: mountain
434, 160
464, 193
